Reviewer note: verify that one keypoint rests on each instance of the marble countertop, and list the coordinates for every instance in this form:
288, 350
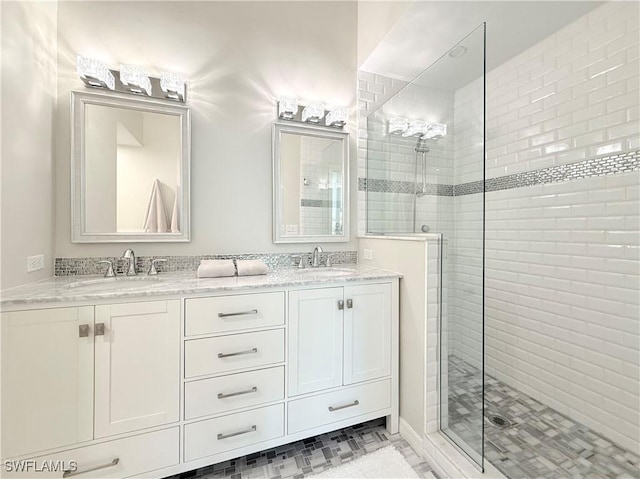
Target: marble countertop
73, 289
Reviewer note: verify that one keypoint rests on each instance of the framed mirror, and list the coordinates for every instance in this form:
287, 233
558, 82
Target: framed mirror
310, 184
130, 169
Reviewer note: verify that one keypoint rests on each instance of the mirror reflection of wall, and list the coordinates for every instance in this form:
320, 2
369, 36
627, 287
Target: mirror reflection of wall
132, 164
311, 184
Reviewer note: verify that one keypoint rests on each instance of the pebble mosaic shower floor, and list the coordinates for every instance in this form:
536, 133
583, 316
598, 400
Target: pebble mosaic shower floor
314, 455
540, 442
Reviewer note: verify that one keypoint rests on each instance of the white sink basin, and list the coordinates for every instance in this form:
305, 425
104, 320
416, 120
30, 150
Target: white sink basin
120, 282
327, 272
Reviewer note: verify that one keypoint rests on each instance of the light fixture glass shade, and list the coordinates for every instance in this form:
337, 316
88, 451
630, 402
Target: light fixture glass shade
287, 108
172, 85
398, 126
95, 73
313, 112
337, 117
435, 131
135, 78
416, 128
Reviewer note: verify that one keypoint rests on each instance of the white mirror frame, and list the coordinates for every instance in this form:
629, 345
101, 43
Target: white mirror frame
79, 100
320, 132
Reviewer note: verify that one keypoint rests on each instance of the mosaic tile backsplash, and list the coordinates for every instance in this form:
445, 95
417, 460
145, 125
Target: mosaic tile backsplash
90, 266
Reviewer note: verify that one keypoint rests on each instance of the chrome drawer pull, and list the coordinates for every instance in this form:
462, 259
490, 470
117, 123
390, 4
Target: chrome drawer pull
239, 393
354, 403
340, 305
239, 353
242, 313
349, 303
233, 434
69, 473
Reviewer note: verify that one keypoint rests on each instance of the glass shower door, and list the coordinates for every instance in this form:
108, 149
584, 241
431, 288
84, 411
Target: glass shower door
462, 258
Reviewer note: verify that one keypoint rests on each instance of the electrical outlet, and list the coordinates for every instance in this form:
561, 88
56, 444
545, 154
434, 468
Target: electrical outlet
35, 263
367, 254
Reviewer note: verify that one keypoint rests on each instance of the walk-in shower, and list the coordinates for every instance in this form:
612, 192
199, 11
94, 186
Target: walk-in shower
532, 254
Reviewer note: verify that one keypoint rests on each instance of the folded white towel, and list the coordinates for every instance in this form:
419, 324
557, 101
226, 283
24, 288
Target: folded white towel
214, 268
251, 267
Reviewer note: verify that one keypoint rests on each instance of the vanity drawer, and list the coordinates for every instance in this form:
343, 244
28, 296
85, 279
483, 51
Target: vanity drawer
232, 313
229, 353
338, 405
120, 458
226, 393
206, 438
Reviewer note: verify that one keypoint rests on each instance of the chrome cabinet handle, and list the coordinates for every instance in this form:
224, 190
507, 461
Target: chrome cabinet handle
239, 353
241, 313
239, 393
100, 329
83, 331
69, 472
349, 303
340, 305
233, 434
354, 403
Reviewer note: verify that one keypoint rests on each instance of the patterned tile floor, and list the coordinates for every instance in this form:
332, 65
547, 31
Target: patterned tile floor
313, 455
540, 442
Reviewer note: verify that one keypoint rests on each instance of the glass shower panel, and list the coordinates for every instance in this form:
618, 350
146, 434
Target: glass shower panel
420, 180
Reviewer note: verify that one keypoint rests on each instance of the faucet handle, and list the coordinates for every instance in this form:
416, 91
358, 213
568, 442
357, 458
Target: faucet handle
327, 262
152, 269
109, 273
300, 263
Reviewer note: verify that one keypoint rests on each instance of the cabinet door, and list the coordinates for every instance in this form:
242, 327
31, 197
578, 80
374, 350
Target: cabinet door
367, 332
137, 376
47, 379
315, 340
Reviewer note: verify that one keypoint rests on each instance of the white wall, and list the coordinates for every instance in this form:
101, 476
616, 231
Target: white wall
375, 19
238, 58
28, 69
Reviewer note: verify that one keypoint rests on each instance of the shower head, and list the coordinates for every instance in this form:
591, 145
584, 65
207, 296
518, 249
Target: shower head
421, 146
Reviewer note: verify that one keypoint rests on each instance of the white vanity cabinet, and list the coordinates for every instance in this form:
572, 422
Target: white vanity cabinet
72, 375
339, 336
47, 379
159, 387
137, 366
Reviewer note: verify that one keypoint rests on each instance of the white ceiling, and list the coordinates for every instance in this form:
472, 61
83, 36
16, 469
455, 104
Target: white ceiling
429, 29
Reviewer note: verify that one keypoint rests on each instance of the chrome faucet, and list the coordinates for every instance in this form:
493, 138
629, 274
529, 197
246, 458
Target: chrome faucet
128, 254
315, 261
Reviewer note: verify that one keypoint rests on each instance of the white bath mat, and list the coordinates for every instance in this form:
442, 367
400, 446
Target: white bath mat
384, 463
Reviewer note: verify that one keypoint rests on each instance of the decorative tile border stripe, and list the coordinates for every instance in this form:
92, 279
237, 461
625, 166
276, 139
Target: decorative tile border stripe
320, 203
403, 187
90, 266
605, 165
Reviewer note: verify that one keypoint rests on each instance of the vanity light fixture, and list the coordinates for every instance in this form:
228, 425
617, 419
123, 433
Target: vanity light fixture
172, 85
287, 108
313, 112
94, 73
337, 117
135, 79
435, 131
416, 128
397, 126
